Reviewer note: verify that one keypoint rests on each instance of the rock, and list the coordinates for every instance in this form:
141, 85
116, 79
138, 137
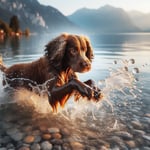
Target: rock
35, 146
57, 141
36, 132
29, 139
139, 132
17, 136
131, 144
46, 145
57, 147
27, 129
77, 146
137, 124
147, 115
3, 148
66, 146
37, 139
24, 148
65, 132
53, 130
43, 128
103, 148
5, 139
146, 137
46, 136
56, 136
12, 131
118, 141
125, 135
146, 148
10, 146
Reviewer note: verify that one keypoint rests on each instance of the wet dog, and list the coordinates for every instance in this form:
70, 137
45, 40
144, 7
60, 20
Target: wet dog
56, 70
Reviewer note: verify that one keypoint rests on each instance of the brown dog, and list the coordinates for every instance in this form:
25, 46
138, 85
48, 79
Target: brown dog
64, 56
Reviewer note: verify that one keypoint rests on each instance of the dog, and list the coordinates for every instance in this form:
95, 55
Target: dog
56, 70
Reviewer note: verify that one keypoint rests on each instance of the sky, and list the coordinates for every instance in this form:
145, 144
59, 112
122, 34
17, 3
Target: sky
67, 7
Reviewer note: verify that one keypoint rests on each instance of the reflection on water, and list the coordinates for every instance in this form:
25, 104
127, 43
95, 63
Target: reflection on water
120, 121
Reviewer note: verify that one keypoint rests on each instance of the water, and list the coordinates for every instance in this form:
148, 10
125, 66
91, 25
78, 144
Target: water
121, 68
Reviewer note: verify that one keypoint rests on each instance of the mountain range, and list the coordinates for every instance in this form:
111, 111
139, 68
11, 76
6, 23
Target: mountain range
35, 16
38, 17
104, 19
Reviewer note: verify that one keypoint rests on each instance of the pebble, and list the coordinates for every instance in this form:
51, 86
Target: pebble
46, 145
125, 135
24, 148
147, 115
56, 136
77, 146
17, 136
46, 136
29, 139
146, 137
53, 130
131, 144
35, 146
137, 124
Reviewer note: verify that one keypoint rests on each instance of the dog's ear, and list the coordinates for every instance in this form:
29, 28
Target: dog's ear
55, 50
89, 52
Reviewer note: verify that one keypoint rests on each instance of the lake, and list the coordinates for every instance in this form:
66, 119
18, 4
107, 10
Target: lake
121, 68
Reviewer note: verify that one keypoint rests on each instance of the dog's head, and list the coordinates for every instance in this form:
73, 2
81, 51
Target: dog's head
70, 51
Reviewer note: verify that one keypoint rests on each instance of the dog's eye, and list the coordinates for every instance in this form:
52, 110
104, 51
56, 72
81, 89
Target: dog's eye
73, 51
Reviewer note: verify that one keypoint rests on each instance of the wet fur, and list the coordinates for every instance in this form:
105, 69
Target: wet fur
64, 55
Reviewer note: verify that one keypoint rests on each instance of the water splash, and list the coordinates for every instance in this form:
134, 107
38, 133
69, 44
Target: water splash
121, 79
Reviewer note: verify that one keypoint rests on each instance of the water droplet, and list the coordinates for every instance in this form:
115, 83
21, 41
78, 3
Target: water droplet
126, 68
115, 61
132, 61
135, 70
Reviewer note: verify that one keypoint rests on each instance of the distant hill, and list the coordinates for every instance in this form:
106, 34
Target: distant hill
35, 16
104, 19
141, 20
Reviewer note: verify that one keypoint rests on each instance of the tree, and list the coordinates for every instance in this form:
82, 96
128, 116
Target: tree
14, 24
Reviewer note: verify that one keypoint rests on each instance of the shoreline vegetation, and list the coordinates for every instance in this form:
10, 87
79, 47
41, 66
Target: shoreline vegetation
12, 29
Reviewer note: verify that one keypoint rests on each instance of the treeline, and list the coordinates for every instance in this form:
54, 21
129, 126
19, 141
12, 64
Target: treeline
13, 28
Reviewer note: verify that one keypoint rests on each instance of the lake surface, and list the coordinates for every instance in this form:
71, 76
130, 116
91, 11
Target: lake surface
121, 68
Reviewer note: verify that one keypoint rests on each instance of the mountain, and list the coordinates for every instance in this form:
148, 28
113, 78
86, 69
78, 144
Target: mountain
33, 15
104, 19
140, 19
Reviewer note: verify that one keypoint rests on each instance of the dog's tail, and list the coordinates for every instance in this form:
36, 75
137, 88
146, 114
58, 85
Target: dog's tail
2, 66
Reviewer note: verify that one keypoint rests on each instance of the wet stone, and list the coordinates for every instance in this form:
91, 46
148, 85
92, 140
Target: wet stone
57, 147
10, 146
131, 144
137, 125
3, 148
46, 136
12, 131
56, 136
77, 146
37, 139
57, 141
43, 128
35, 146
24, 148
147, 115
46, 145
53, 130
146, 137
125, 135
17, 136
139, 132
118, 141
66, 146
29, 139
